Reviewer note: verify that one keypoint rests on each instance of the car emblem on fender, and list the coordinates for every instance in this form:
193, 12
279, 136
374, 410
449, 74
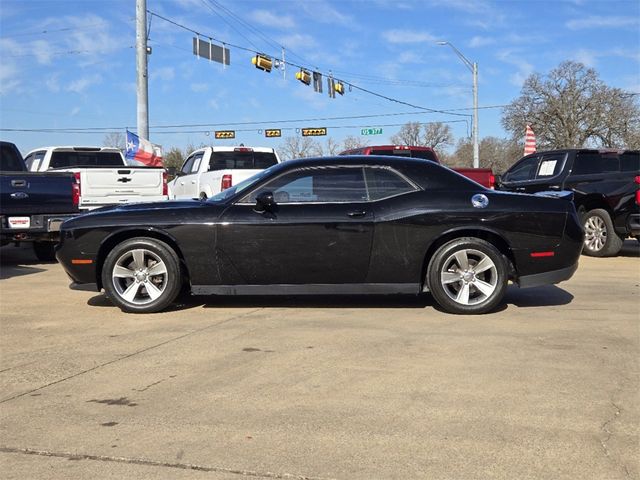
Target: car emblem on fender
479, 200
20, 195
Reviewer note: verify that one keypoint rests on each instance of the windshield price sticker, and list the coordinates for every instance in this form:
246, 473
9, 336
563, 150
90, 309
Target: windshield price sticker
19, 222
547, 168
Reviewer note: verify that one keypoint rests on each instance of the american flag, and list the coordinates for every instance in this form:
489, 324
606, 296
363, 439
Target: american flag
529, 141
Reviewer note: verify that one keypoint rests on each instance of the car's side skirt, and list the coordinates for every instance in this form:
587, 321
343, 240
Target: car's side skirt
309, 289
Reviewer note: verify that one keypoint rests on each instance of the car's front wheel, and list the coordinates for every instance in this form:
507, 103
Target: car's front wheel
467, 276
142, 275
600, 238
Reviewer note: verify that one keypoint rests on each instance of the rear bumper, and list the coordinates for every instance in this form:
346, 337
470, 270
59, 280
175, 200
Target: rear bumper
42, 227
547, 278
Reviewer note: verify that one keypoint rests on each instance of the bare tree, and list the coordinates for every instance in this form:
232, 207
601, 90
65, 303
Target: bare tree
299, 147
114, 140
572, 107
174, 158
351, 142
436, 135
495, 153
409, 134
330, 147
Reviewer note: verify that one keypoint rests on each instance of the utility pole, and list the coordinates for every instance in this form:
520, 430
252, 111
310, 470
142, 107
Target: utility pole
142, 84
473, 66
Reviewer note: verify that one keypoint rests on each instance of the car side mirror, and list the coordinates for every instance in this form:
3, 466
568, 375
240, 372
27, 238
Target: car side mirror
171, 171
498, 180
265, 202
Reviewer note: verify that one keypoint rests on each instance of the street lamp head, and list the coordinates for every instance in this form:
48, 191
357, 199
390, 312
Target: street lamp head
442, 43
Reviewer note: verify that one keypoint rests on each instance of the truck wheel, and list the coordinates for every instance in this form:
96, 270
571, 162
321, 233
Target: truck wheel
142, 275
467, 276
600, 239
45, 251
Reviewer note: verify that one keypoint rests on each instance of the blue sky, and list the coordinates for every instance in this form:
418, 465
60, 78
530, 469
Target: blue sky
71, 64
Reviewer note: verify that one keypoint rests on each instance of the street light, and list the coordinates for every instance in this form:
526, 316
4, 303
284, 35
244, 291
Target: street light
473, 66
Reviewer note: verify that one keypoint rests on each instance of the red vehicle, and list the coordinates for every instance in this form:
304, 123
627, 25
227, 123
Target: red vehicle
483, 176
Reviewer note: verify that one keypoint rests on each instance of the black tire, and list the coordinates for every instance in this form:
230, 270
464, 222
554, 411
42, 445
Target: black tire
45, 251
128, 275
601, 239
448, 278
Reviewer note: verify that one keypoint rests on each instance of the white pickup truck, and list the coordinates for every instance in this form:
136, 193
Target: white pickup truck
102, 174
210, 170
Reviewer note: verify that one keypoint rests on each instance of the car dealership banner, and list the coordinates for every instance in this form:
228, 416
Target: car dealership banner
142, 152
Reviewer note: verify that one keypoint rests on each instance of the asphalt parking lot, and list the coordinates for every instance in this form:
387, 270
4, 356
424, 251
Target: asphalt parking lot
324, 387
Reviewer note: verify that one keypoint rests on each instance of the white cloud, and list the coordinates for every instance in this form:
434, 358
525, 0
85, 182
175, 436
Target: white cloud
162, 73
517, 59
74, 111
81, 84
52, 83
9, 78
323, 12
269, 19
407, 36
603, 22
298, 41
479, 41
199, 87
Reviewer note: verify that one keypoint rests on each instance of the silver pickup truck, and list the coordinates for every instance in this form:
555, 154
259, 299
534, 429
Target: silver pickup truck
103, 175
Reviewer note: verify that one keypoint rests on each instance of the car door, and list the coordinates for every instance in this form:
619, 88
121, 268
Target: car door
181, 186
537, 173
319, 231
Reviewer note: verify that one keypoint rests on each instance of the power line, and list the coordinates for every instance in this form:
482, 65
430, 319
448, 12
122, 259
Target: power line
351, 85
46, 32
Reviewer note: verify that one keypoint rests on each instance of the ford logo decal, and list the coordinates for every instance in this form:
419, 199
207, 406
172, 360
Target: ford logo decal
20, 195
479, 200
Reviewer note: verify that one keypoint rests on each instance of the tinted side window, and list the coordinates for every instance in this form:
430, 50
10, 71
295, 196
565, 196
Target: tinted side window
630, 162
196, 162
264, 159
188, 164
587, 163
550, 166
383, 183
10, 161
327, 185
524, 170
33, 161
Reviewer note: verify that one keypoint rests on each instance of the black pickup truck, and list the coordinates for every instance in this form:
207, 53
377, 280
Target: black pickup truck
33, 205
606, 187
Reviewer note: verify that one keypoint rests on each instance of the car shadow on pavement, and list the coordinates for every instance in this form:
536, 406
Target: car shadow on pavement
531, 297
18, 261
545, 296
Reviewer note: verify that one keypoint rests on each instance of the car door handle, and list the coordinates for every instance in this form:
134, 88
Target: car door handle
193, 182
357, 213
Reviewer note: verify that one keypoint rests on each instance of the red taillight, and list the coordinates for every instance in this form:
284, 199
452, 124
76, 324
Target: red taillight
542, 254
76, 191
637, 180
243, 149
165, 185
492, 181
226, 182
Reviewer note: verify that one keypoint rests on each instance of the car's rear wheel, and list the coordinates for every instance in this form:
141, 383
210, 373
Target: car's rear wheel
600, 238
467, 276
142, 275
45, 251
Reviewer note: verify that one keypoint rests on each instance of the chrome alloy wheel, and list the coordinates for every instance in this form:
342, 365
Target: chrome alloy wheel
139, 276
595, 233
469, 277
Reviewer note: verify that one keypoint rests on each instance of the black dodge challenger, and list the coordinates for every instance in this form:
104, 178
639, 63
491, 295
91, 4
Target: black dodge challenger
345, 225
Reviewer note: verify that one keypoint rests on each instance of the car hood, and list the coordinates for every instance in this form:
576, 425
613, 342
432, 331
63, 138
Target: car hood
155, 213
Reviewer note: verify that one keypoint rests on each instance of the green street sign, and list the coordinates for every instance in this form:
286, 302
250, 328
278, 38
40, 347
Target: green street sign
371, 131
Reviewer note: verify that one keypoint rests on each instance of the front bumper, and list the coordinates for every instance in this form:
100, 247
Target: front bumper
547, 278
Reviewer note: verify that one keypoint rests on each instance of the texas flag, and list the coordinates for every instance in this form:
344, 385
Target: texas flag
141, 151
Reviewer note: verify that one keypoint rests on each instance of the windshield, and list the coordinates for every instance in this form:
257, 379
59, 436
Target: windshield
242, 186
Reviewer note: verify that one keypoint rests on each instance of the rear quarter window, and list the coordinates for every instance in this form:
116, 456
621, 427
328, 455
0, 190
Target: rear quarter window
589, 163
383, 183
630, 162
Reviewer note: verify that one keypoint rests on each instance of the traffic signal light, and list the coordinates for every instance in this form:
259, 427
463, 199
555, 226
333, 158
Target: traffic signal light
339, 87
262, 62
304, 76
